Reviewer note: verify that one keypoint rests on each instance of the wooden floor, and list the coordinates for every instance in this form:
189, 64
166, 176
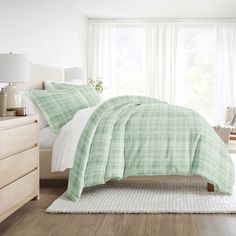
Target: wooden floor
32, 220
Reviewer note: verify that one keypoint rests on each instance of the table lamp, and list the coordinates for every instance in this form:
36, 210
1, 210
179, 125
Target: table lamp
76, 74
14, 68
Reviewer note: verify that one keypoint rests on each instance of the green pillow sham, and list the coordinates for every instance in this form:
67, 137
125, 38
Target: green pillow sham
59, 106
88, 92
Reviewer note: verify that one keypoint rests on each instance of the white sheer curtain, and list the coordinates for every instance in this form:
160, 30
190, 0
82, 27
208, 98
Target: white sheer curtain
225, 84
101, 57
163, 61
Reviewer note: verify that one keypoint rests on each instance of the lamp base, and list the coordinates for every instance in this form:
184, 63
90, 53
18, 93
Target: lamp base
11, 96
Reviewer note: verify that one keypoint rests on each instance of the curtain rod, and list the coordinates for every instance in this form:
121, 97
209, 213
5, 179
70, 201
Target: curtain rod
165, 19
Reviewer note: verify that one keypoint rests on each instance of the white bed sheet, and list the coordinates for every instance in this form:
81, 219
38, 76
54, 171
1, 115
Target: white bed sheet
46, 138
65, 145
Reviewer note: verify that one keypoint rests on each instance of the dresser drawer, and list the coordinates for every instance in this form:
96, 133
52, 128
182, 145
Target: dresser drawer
14, 167
17, 139
18, 193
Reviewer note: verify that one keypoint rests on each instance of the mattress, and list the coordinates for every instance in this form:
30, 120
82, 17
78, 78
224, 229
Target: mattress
46, 138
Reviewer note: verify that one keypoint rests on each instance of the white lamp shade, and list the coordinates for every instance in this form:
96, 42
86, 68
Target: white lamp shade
14, 68
75, 74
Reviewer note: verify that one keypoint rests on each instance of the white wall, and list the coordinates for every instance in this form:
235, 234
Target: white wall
51, 32
157, 8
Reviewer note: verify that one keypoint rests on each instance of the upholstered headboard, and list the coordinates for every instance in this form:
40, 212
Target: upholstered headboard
40, 73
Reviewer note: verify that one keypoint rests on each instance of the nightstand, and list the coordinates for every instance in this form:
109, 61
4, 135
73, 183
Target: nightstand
19, 163
232, 147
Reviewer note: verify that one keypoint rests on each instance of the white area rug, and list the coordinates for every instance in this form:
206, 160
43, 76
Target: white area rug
161, 197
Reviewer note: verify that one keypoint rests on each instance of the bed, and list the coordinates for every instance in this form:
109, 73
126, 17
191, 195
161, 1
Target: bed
203, 139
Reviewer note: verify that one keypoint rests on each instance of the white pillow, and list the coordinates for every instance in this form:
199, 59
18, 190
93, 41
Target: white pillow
48, 83
32, 108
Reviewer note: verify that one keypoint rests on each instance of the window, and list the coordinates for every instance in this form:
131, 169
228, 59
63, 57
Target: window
129, 60
147, 58
199, 65
199, 51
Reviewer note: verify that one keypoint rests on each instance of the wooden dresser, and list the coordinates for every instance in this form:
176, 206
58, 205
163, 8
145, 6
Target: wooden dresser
19, 163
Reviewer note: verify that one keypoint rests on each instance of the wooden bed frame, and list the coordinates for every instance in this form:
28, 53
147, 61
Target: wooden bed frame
38, 74
210, 187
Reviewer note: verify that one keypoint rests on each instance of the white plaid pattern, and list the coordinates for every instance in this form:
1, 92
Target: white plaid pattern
87, 91
131, 136
59, 106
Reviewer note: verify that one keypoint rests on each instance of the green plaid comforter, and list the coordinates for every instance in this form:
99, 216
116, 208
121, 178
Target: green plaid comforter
140, 136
